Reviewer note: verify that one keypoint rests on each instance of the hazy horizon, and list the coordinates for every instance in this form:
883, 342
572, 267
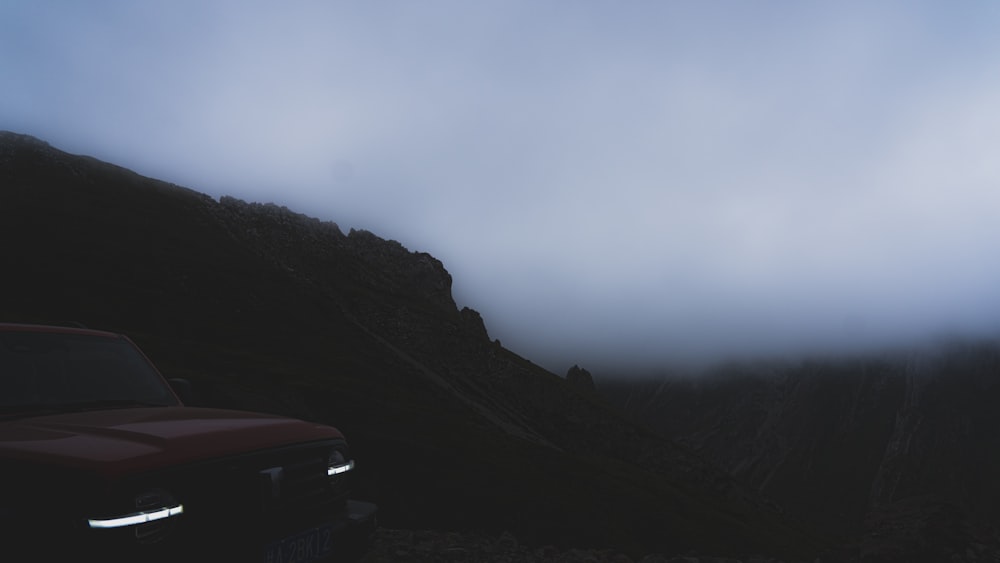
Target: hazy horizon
628, 184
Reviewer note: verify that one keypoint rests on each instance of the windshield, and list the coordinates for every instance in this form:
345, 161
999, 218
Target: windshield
57, 371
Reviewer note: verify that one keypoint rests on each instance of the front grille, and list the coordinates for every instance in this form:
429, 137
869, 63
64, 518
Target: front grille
295, 485
262, 495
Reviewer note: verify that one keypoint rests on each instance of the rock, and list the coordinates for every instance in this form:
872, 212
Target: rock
580, 378
507, 542
474, 323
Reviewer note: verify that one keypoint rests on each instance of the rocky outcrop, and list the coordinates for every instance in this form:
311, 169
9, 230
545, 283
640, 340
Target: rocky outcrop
321, 253
413, 274
580, 378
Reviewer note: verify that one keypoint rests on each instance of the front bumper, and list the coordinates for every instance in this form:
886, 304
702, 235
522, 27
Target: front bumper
343, 539
347, 534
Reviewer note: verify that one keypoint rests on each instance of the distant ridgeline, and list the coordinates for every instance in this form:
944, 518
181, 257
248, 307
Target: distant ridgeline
899, 451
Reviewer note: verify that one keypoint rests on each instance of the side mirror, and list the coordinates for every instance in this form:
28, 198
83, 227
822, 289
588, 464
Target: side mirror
182, 387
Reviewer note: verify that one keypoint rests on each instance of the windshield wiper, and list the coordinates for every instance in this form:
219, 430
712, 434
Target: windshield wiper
105, 404
18, 411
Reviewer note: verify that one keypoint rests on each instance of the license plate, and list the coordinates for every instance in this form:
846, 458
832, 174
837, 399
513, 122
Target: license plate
305, 546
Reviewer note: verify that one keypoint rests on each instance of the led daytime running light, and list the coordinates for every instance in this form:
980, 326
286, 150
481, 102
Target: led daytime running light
338, 469
137, 518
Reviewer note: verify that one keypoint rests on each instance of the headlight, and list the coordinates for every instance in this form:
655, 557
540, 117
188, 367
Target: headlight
338, 464
152, 518
136, 518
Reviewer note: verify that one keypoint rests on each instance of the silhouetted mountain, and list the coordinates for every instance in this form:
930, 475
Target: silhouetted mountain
267, 309
898, 452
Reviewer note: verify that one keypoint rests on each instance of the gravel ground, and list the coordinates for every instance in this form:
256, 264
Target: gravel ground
403, 546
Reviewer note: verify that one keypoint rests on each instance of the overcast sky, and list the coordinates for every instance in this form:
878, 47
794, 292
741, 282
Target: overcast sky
608, 183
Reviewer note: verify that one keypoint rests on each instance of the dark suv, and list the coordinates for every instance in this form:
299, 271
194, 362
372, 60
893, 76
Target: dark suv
98, 457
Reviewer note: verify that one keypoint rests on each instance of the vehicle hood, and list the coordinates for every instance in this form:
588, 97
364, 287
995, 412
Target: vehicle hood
123, 441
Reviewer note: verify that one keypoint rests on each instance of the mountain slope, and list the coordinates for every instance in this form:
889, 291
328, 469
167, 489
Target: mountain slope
266, 309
